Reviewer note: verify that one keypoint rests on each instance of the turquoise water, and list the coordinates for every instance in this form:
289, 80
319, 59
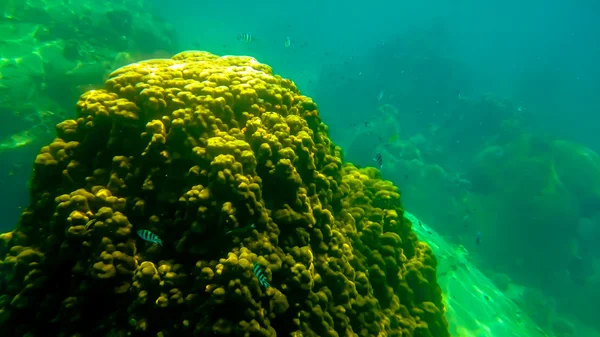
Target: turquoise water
478, 306
483, 114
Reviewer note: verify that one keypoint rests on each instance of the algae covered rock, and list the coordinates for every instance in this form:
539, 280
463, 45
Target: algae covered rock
232, 168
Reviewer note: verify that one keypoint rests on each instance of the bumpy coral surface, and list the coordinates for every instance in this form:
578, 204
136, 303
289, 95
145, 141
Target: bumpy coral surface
196, 149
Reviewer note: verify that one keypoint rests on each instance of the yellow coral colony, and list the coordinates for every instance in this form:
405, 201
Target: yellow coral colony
190, 148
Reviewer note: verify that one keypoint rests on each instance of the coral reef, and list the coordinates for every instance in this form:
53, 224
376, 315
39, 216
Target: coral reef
550, 188
51, 52
231, 167
539, 194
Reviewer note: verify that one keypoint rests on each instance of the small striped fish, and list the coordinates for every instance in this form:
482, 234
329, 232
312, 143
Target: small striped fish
246, 37
148, 236
260, 275
288, 42
379, 160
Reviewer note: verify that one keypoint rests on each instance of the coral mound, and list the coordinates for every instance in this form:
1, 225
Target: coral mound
230, 166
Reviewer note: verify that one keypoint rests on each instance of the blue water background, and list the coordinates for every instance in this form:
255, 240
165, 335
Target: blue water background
543, 54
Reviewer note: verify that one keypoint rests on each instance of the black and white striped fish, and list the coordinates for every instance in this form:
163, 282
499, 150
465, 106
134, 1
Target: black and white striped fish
148, 236
246, 37
378, 160
260, 275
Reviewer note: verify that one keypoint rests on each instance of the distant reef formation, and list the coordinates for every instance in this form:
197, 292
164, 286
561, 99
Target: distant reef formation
251, 224
538, 193
53, 51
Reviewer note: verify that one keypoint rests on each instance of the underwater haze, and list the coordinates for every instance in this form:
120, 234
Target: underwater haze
540, 54
203, 196
485, 114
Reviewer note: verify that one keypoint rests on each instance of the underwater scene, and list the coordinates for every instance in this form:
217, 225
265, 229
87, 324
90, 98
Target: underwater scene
315, 168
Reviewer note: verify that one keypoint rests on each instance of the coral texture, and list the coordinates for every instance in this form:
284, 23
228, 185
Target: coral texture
230, 166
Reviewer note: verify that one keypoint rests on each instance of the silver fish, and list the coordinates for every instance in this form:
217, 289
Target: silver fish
240, 230
89, 223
